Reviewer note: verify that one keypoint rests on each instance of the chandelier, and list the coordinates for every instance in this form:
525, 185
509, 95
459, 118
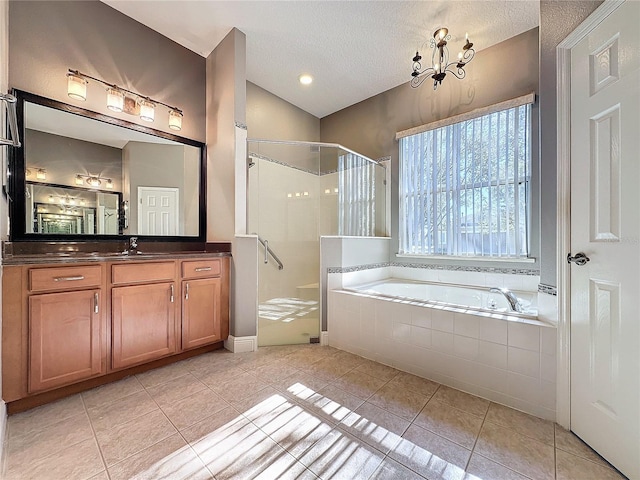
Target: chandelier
440, 64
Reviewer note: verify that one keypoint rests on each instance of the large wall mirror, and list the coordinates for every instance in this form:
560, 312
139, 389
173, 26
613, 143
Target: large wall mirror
80, 174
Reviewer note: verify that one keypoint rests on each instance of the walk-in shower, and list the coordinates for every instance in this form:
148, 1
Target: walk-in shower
298, 192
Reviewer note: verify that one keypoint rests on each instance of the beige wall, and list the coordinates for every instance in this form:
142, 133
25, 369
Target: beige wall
226, 104
46, 38
270, 117
498, 73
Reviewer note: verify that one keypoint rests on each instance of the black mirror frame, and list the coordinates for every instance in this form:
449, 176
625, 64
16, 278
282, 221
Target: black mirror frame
17, 180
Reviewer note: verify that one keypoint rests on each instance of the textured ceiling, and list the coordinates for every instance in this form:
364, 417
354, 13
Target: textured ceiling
353, 49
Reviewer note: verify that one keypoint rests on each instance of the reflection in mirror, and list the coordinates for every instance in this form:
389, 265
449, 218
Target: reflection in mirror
70, 211
88, 177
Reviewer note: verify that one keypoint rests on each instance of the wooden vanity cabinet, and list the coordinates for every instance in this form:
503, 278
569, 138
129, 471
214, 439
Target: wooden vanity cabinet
54, 327
143, 312
69, 327
201, 303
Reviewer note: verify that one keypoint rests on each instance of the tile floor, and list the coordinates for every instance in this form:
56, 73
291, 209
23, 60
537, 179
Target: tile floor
288, 412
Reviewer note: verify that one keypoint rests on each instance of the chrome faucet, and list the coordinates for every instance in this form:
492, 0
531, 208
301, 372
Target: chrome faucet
514, 303
133, 244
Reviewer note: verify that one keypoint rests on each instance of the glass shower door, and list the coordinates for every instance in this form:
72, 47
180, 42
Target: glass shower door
283, 211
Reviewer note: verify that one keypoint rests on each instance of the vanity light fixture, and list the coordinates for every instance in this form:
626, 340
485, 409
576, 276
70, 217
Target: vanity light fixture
120, 99
76, 86
94, 181
41, 174
440, 64
115, 99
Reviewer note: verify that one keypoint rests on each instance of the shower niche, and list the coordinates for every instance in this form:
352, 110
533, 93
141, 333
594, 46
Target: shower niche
298, 192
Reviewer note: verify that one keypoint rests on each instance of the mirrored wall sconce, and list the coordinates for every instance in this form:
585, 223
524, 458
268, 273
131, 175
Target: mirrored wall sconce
122, 100
66, 200
93, 181
38, 173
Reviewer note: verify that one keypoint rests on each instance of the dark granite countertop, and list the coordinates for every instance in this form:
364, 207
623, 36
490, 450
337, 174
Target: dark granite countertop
19, 253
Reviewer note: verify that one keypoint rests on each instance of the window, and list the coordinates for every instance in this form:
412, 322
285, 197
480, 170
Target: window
357, 196
464, 187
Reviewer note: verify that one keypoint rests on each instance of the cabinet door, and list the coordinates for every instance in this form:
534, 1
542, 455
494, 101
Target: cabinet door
201, 312
65, 331
143, 327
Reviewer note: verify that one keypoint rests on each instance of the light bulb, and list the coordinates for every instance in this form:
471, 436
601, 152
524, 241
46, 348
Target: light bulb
460, 56
76, 87
147, 110
79, 180
50, 198
115, 99
41, 174
466, 36
109, 184
175, 120
305, 79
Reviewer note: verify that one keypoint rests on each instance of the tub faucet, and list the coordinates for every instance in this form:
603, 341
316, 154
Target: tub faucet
511, 298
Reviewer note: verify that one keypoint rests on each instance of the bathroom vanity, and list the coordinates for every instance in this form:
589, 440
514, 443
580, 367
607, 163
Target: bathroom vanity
108, 272
91, 319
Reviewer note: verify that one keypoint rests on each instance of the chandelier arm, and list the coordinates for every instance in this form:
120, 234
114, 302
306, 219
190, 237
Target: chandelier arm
459, 74
468, 55
421, 77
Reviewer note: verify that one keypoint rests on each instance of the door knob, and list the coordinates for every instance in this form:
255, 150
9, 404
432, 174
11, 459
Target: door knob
580, 259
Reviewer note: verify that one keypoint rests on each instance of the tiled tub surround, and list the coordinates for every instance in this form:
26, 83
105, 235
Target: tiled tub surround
288, 412
511, 362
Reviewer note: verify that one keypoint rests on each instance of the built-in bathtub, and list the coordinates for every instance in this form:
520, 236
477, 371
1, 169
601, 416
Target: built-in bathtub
446, 295
464, 337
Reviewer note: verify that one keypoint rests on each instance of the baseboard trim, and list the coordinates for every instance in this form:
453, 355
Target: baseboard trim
324, 339
241, 344
3, 435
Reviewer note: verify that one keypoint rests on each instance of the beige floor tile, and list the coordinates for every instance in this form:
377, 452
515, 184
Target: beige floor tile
572, 467
293, 382
415, 384
241, 450
377, 370
295, 429
194, 408
101, 476
176, 389
528, 425
449, 422
275, 371
249, 362
220, 424
111, 392
523, 454
375, 426
348, 358
39, 417
131, 437
302, 360
481, 468
217, 375
432, 456
48, 440
169, 459
110, 415
341, 456
399, 401
359, 384
263, 404
284, 469
568, 442
238, 388
392, 470
161, 375
328, 368
78, 462
462, 401
330, 403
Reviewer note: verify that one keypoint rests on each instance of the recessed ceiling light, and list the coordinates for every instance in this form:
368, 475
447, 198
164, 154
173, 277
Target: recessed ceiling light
305, 79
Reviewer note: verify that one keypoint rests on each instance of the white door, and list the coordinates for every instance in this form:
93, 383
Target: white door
605, 225
158, 211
